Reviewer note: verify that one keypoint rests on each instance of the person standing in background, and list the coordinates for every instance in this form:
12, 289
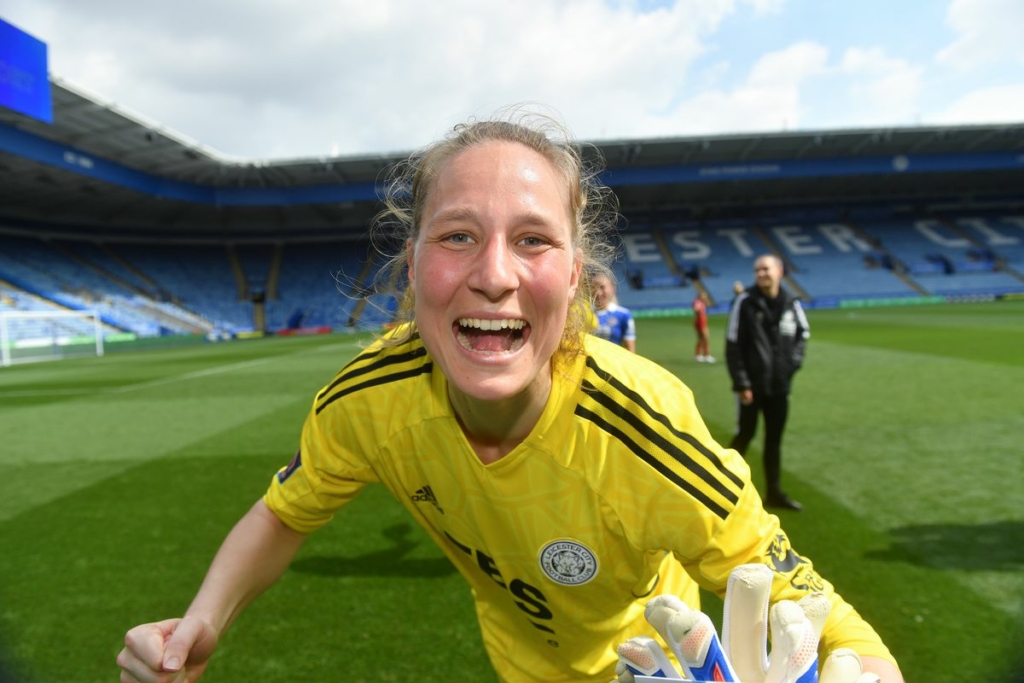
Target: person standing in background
737, 289
700, 326
614, 322
765, 344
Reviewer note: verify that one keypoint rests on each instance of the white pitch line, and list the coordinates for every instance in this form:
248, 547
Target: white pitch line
187, 376
138, 385
167, 380
45, 392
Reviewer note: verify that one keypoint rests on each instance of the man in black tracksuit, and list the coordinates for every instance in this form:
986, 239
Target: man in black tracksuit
764, 348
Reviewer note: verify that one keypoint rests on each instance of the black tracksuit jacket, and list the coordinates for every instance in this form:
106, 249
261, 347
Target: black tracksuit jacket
765, 344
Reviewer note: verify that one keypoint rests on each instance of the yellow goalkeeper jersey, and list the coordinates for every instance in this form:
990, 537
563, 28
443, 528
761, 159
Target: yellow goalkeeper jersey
618, 494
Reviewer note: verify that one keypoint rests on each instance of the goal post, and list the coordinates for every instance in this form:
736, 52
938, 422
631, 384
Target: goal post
27, 336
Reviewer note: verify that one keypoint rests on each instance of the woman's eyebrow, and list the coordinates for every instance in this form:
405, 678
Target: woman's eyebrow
465, 214
458, 213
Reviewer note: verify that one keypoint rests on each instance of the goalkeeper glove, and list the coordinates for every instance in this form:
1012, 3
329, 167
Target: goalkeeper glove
742, 654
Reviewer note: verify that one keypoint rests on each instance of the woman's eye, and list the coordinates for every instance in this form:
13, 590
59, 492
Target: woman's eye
533, 241
458, 238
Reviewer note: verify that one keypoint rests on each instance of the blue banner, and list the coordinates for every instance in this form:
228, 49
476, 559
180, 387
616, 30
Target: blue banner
24, 80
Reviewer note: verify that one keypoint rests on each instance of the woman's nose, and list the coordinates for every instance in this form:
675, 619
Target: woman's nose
495, 272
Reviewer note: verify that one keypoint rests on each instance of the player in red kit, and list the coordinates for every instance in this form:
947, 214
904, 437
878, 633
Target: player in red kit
700, 325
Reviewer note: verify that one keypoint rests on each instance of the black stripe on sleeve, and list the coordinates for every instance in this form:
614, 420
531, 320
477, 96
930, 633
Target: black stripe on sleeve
424, 369
348, 374
658, 441
636, 398
652, 461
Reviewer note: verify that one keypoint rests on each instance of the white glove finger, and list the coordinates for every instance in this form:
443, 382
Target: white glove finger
695, 642
816, 607
794, 656
622, 673
843, 666
643, 656
661, 608
745, 620
692, 637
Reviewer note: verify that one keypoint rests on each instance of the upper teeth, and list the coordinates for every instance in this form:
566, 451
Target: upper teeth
484, 324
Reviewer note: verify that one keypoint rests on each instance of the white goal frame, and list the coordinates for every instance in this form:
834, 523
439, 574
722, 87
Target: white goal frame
7, 342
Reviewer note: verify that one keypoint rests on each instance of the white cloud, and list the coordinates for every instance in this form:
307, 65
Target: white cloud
791, 66
989, 31
770, 99
882, 89
983, 106
799, 88
267, 79
764, 7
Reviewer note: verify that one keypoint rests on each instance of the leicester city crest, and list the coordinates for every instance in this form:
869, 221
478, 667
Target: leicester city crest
568, 562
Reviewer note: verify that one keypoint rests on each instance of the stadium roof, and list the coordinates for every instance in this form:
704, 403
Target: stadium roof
102, 170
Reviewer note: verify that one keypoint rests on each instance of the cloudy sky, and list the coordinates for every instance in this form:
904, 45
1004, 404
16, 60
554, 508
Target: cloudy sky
275, 79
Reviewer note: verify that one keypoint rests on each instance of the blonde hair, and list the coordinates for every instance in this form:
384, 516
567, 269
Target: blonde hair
592, 207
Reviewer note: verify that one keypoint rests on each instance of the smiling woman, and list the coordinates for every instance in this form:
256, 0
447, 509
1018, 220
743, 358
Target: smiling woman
550, 163
494, 251
568, 480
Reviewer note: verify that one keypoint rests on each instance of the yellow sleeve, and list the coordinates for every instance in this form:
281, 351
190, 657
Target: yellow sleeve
750, 534
321, 478
710, 544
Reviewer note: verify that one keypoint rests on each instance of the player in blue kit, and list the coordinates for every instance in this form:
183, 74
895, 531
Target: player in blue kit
613, 322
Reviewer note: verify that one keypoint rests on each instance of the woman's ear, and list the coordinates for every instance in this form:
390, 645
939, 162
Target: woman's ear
577, 269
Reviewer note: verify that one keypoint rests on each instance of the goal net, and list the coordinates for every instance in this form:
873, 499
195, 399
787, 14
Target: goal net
27, 336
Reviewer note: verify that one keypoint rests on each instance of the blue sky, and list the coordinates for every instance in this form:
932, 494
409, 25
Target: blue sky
908, 33
274, 79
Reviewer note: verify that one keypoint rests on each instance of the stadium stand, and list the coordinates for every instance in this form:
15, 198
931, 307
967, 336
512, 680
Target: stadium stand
45, 270
827, 261
160, 289
944, 259
998, 235
12, 299
100, 209
199, 278
320, 284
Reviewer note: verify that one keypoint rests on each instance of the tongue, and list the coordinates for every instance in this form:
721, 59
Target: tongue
489, 341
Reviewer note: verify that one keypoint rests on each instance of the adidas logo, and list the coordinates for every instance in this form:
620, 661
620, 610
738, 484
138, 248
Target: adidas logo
426, 495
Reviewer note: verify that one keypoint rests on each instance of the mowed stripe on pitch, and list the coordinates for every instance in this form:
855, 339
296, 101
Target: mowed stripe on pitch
916, 444
59, 447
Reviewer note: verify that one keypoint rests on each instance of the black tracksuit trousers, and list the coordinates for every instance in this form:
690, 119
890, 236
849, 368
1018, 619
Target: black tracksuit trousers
775, 409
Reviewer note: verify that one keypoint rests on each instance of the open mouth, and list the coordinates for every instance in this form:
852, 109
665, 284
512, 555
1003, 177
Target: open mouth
491, 336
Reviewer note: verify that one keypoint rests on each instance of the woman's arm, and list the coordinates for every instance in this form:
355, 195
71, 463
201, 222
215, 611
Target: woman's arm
886, 670
253, 556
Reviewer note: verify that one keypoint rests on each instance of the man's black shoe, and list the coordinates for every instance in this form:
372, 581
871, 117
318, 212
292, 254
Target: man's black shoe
781, 500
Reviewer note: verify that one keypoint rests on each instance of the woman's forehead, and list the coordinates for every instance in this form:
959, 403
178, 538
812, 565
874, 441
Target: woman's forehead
486, 152
496, 166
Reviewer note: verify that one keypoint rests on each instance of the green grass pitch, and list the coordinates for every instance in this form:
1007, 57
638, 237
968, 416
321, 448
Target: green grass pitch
121, 475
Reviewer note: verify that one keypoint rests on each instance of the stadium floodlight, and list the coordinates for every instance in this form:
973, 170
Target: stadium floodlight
27, 336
